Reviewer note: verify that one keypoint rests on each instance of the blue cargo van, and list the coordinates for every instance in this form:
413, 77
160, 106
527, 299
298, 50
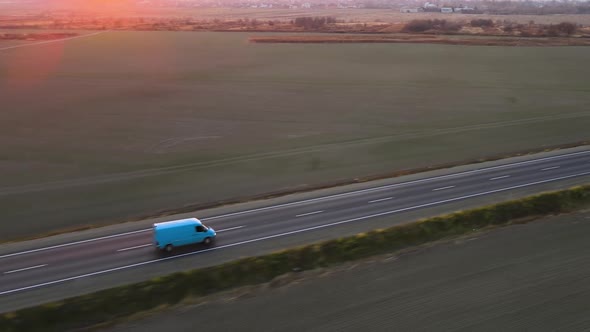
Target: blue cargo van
176, 233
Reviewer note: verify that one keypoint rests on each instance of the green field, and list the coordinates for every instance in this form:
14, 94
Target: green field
123, 124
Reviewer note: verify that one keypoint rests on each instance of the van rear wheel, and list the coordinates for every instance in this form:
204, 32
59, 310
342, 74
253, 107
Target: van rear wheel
168, 248
207, 241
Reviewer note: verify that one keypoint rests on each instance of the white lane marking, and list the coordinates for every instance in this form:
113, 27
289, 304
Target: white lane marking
443, 188
500, 177
228, 229
319, 199
381, 200
52, 41
92, 240
397, 185
74, 243
149, 244
308, 214
25, 269
48, 283
136, 247
550, 168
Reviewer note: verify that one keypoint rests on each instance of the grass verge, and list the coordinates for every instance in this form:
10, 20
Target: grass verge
308, 188
116, 303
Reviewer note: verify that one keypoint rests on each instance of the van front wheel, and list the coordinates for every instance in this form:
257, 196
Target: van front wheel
168, 248
207, 241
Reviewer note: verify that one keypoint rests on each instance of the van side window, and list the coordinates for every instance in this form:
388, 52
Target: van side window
200, 229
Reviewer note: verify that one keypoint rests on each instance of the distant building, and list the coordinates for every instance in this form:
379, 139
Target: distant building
430, 7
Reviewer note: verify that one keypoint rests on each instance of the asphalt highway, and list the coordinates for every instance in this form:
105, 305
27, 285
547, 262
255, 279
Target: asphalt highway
43, 273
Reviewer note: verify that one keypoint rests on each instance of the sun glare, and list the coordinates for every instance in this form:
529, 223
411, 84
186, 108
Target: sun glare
30, 67
99, 6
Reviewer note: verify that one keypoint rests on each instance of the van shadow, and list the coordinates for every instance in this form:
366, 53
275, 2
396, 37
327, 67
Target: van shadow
191, 248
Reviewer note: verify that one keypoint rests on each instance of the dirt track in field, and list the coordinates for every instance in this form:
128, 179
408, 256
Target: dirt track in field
262, 156
424, 39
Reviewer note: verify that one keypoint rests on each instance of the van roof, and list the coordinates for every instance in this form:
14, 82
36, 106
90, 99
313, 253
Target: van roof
176, 223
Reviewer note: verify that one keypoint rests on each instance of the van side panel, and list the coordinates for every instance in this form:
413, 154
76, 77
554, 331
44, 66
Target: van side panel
180, 233
178, 236
186, 235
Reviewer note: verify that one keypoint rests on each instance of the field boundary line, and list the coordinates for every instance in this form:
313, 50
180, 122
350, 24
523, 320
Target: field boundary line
52, 41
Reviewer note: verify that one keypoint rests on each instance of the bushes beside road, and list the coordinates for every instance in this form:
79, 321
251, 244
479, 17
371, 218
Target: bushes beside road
111, 304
